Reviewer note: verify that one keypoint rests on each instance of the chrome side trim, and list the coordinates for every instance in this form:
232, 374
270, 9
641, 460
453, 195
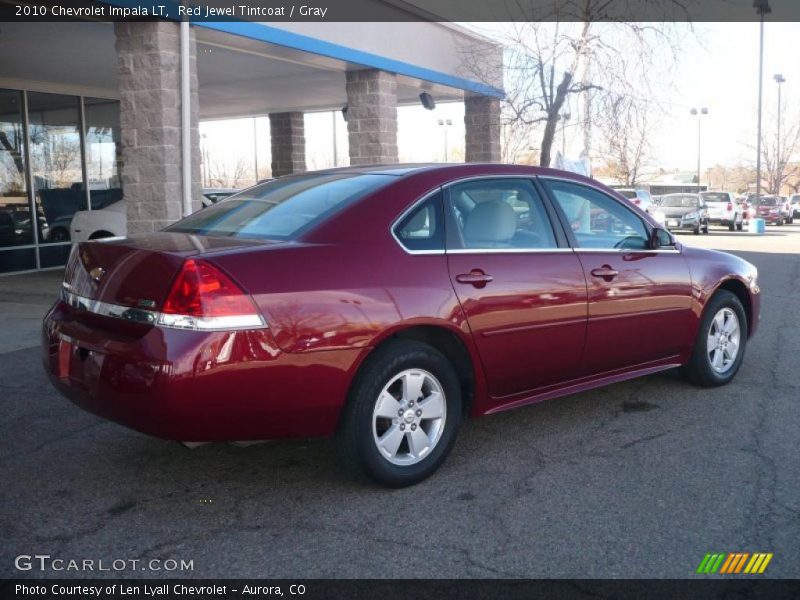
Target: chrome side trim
152, 317
510, 251
627, 251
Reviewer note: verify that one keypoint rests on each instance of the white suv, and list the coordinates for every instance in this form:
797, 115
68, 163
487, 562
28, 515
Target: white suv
724, 210
794, 205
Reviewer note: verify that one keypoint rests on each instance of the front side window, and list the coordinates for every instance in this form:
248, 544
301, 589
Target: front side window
423, 227
282, 209
597, 220
499, 214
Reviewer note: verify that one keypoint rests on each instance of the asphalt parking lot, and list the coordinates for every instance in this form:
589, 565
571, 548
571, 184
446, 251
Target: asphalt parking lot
639, 479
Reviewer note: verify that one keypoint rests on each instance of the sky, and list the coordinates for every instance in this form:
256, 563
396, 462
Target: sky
717, 69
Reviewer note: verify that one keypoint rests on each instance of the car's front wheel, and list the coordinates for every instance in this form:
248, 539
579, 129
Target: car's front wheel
720, 343
403, 414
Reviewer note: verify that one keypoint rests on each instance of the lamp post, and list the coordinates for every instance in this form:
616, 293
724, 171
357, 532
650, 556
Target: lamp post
698, 113
204, 154
779, 79
565, 117
762, 8
445, 123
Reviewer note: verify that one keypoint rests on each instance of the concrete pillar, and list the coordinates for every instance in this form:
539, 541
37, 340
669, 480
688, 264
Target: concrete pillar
149, 71
372, 117
288, 141
482, 129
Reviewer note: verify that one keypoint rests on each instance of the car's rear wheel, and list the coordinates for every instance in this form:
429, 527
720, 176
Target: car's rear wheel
403, 414
720, 343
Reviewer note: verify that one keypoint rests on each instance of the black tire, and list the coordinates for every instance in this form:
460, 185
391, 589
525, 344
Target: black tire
59, 234
699, 370
696, 230
732, 225
740, 226
705, 229
355, 440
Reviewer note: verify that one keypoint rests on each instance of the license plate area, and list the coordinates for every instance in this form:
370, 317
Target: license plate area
79, 365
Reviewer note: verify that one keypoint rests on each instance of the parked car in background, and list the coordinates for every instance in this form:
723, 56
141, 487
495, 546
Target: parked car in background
112, 220
773, 209
724, 209
333, 304
685, 212
794, 205
643, 200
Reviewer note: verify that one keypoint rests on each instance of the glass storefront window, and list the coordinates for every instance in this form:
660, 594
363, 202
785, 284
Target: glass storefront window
103, 151
15, 213
56, 162
64, 167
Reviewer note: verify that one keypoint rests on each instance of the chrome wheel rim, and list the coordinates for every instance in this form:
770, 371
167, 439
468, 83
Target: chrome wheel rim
724, 340
409, 416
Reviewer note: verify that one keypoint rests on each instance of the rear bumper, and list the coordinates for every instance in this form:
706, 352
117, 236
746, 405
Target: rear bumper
194, 386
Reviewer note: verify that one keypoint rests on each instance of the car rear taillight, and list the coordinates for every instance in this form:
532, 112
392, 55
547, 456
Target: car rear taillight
204, 298
730, 206
637, 201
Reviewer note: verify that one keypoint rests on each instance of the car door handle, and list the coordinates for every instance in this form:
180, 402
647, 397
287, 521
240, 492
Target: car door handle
477, 278
606, 272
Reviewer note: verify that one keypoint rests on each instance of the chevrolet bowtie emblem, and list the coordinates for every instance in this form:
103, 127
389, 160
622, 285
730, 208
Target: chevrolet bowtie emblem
97, 274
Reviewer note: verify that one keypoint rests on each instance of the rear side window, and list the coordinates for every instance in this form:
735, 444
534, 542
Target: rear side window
496, 213
284, 208
423, 227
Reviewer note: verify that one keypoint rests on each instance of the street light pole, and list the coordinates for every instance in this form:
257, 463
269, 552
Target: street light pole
779, 79
445, 123
699, 113
762, 7
565, 117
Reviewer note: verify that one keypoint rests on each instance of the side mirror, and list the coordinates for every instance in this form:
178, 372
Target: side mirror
661, 238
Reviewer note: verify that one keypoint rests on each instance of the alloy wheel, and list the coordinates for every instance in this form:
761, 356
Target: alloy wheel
409, 417
724, 339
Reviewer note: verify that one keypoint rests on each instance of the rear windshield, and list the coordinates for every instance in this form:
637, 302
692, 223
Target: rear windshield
683, 201
282, 209
714, 197
768, 201
627, 193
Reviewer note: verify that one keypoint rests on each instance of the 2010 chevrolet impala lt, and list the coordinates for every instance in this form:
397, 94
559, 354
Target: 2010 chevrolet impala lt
383, 305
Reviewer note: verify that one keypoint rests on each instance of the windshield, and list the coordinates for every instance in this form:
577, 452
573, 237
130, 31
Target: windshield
281, 209
715, 197
680, 201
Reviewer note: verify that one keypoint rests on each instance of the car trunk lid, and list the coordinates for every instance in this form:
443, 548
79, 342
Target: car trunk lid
137, 271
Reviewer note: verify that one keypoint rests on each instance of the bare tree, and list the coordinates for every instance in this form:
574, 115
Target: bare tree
624, 123
230, 175
547, 62
515, 143
778, 171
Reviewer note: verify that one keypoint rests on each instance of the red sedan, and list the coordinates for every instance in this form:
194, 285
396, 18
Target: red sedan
383, 305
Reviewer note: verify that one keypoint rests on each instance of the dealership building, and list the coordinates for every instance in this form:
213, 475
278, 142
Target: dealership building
91, 112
